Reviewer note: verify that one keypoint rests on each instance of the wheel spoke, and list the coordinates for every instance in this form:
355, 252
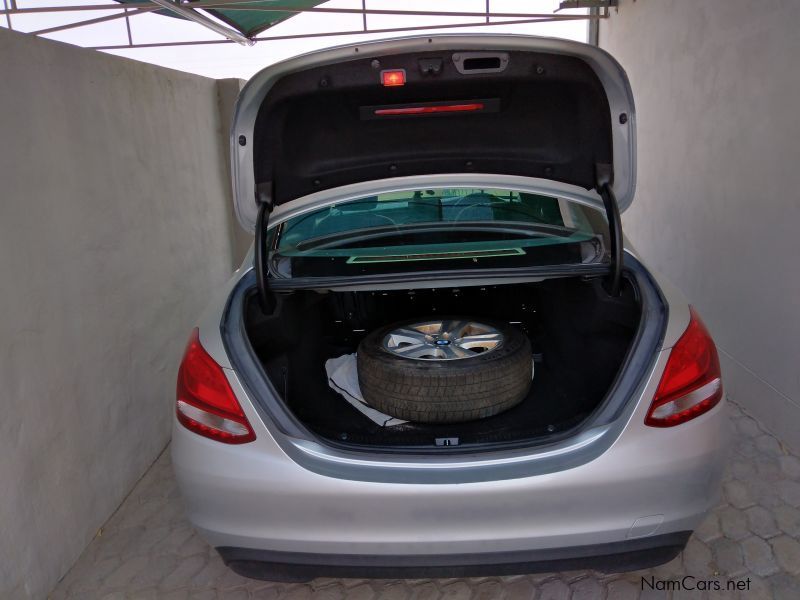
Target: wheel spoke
453, 351
443, 340
406, 336
453, 327
487, 341
412, 350
481, 337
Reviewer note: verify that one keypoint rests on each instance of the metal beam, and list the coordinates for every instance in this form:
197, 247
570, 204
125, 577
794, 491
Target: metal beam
242, 5
594, 28
201, 19
66, 26
345, 33
364, 14
237, 5
128, 28
586, 4
189, 11
8, 16
72, 8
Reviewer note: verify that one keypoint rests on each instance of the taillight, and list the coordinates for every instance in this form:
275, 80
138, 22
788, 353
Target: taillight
205, 401
691, 384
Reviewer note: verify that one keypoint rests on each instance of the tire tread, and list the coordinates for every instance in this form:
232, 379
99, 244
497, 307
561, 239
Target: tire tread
445, 391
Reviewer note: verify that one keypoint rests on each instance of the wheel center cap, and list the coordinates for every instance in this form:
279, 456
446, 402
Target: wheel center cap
442, 342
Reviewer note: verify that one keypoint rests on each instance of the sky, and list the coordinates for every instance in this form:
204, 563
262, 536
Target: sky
232, 60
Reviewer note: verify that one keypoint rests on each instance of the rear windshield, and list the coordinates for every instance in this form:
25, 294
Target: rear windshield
438, 229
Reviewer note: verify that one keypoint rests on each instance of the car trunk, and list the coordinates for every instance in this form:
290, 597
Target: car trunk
548, 116
511, 105
580, 337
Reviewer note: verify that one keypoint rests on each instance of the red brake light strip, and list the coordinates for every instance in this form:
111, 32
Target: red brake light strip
427, 110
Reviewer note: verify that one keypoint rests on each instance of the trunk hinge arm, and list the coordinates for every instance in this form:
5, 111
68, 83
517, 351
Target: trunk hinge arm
605, 177
264, 199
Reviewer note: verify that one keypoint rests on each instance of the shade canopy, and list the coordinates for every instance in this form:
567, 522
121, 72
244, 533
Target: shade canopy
249, 18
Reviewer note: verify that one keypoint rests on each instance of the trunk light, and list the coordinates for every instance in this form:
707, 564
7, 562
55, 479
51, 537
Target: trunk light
427, 110
206, 403
393, 78
692, 383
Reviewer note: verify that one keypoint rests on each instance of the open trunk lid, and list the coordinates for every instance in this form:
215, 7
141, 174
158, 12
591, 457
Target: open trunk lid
512, 105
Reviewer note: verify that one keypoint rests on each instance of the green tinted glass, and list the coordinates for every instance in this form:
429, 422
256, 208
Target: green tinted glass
438, 224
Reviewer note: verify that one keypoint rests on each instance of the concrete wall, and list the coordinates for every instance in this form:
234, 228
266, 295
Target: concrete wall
227, 92
113, 229
717, 88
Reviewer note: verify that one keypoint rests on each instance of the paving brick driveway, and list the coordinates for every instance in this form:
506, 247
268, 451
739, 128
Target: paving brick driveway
148, 550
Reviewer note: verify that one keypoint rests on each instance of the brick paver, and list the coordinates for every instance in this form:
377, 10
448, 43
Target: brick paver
149, 550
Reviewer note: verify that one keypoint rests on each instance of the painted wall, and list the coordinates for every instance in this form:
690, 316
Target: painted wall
113, 230
228, 90
717, 209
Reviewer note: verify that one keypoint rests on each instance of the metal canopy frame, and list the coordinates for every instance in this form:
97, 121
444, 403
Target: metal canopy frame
195, 11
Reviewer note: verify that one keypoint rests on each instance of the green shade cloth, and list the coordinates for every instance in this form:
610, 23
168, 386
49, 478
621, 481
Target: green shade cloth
248, 22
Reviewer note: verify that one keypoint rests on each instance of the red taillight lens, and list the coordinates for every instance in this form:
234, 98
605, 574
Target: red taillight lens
393, 78
205, 402
429, 110
691, 384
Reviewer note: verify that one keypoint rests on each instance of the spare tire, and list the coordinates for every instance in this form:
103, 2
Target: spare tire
444, 370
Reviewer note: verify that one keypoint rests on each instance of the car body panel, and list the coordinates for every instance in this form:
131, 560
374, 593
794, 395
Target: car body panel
255, 496
258, 496
614, 481
607, 69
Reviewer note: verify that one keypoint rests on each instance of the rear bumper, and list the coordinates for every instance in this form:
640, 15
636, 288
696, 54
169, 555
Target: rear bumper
629, 555
650, 484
